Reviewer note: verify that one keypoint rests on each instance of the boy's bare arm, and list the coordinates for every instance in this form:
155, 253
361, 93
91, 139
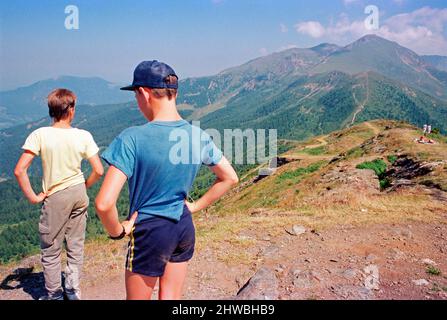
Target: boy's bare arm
105, 203
97, 171
226, 178
21, 173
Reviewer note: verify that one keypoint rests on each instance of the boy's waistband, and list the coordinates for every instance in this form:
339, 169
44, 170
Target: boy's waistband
69, 189
147, 217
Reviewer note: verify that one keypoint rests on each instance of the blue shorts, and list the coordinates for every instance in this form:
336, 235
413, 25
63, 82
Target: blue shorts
157, 241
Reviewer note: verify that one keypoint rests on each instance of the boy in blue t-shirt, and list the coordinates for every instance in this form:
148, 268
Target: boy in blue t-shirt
160, 161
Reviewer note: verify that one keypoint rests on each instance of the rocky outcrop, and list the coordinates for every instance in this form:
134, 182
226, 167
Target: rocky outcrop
408, 168
351, 179
405, 170
262, 286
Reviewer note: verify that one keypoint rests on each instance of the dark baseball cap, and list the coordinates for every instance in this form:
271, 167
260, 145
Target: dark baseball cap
152, 74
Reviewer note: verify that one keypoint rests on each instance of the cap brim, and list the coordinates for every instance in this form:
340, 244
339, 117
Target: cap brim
128, 88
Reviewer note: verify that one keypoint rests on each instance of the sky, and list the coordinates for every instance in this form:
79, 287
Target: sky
195, 37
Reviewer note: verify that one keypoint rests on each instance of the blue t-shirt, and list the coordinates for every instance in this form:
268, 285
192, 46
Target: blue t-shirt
161, 160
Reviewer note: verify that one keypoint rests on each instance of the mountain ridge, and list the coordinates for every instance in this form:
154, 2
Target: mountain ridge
369, 53
28, 103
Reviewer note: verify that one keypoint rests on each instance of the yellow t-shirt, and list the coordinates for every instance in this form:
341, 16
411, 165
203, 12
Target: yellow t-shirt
62, 151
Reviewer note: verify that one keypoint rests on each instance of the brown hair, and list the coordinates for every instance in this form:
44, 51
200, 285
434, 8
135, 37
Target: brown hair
59, 103
170, 93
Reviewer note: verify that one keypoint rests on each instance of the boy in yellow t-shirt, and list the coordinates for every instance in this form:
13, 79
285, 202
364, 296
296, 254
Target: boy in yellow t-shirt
64, 196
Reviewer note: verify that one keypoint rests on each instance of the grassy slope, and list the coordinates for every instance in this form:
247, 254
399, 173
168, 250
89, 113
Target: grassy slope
326, 102
297, 195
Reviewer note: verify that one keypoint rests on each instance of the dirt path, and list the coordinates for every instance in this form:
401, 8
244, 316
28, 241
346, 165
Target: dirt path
300, 155
361, 105
331, 264
322, 142
375, 129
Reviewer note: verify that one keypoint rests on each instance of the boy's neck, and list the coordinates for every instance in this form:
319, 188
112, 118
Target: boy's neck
165, 112
64, 124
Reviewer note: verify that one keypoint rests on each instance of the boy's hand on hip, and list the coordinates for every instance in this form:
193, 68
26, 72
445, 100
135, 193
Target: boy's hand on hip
39, 198
128, 224
191, 206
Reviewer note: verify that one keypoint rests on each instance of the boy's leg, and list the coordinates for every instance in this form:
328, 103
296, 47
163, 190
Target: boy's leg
139, 287
74, 237
159, 248
51, 262
53, 221
173, 278
171, 283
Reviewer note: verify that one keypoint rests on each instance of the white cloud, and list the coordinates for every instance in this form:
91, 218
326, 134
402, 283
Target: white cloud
421, 30
283, 28
311, 28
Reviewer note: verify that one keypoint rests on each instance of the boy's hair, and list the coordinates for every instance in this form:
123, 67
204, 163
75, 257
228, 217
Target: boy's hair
166, 92
59, 103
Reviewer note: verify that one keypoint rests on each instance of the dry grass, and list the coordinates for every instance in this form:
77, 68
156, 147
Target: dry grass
302, 201
222, 232
102, 255
383, 208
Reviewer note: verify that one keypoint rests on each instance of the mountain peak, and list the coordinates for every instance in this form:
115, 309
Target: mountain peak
63, 78
371, 39
371, 36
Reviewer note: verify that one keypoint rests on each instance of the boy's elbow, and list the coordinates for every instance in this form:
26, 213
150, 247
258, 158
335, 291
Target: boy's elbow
99, 172
102, 205
234, 180
18, 172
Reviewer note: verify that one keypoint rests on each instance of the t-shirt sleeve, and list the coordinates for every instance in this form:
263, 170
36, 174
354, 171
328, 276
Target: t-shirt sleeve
90, 147
211, 154
32, 143
121, 155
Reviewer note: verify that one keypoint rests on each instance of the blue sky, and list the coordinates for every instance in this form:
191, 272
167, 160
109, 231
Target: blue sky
196, 37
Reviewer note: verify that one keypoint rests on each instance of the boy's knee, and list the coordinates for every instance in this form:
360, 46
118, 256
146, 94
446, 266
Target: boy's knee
51, 254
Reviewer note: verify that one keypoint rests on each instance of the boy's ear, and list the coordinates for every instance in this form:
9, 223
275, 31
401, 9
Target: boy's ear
141, 91
147, 92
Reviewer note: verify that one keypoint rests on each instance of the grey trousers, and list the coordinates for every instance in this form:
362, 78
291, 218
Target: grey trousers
63, 216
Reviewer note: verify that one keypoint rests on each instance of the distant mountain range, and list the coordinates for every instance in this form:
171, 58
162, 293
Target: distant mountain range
29, 103
300, 92
370, 53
